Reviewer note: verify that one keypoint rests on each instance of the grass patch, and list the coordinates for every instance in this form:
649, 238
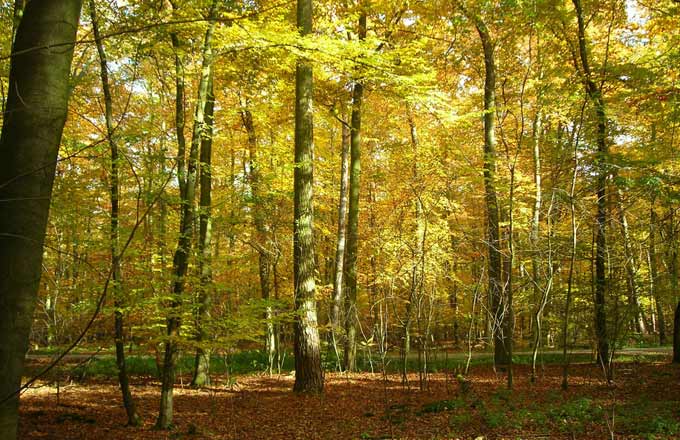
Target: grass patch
649, 420
243, 362
441, 406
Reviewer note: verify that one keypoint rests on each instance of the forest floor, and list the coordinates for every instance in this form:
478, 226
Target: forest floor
643, 403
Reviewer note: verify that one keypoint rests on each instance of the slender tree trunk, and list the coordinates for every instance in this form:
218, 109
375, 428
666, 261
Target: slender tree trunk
653, 275
595, 95
180, 122
114, 191
36, 112
418, 253
673, 275
495, 263
308, 371
336, 305
631, 269
508, 323
572, 263
205, 291
263, 251
181, 258
539, 294
353, 219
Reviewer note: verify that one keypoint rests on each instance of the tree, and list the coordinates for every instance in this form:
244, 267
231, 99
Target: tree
351, 256
114, 191
31, 135
594, 93
202, 360
264, 253
308, 372
184, 242
341, 237
499, 309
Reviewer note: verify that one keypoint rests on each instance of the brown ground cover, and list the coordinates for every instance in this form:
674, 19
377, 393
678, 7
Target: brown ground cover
642, 403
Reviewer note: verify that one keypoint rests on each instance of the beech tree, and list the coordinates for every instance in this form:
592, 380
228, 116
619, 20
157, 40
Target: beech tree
114, 189
35, 115
308, 372
184, 243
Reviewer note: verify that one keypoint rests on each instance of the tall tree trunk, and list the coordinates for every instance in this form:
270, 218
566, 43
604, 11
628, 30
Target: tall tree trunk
418, 253
261, 234
595, 95
180, 262
351, 256
572, 264
653, 275
495, 263
539, 294
308, 372
336, 305
673, 275
32, 127
201, 375
114, 191
631, 269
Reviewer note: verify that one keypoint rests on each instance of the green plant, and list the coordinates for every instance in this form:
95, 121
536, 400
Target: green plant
572, 416
460, 420
442, 405
494, 418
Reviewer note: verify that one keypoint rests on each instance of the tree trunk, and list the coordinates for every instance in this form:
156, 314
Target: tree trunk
180, 262
351, 315
308, 372
673, 275
261, 244
539, 294
36, 112
342, 238
201, 376
572, 264
595, 95
495, 270
114, 191
653, 276
676, 335
19, 6
631, 269
417, 255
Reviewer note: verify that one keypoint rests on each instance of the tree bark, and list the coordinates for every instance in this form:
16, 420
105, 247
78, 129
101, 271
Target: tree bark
201, 375
353, 219
114, 236
181, 258
594, 93
336, 305
417, 254
572, 264
308, 373
495, 263
676, 335
19, 6
261, 234
631, 269
539, 294
32, 127
672, 258
653, 275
